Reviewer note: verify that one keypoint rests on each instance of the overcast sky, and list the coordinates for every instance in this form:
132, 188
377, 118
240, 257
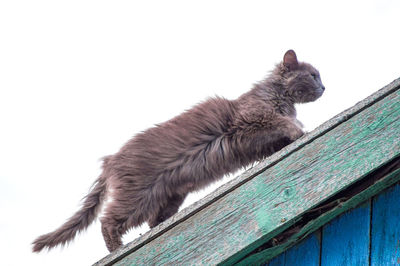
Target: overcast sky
79, 78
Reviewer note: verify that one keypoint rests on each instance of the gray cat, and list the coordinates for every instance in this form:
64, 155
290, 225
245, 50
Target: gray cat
150, 176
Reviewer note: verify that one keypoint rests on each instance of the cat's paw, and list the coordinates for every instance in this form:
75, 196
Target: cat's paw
298, 123
295, 133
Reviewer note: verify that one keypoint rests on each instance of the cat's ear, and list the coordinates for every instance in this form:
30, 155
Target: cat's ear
290, 60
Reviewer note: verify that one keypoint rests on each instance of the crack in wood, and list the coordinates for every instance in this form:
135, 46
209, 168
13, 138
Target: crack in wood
326, 206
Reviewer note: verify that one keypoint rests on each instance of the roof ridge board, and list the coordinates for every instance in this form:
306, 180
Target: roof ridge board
249, 174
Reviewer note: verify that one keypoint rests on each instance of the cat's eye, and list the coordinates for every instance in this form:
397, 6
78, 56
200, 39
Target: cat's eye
314, 75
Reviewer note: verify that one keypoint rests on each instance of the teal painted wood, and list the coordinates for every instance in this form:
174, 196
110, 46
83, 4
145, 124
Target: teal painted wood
306, 253
385, 233
345, 240
258, 210
373, 123
314, 225
278, 261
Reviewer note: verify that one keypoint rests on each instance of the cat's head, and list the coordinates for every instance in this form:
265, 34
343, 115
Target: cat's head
301, 81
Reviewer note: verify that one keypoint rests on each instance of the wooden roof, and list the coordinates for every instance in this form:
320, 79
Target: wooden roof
290, 194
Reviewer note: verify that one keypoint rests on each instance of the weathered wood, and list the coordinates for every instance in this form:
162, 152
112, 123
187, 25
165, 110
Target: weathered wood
277, 261
253, 212
305, 253
379, 186
248, 175
345, 240
366, 235
385, 233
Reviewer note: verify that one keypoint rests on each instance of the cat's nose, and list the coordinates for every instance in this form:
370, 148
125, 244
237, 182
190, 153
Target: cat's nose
323, 88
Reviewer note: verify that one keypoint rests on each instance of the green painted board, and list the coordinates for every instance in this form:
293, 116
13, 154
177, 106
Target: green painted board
385, 233
270, 197
258, 210
265, 255
305, 253
345, 240
366, 235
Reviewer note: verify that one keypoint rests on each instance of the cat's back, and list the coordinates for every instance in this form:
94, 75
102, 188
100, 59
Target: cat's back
202, 123
171, 141
211, 117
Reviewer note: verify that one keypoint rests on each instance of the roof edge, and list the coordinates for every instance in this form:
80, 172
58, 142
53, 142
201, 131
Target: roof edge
356, 194
249, 174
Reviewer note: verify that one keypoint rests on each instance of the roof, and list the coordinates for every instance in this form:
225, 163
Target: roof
285, 197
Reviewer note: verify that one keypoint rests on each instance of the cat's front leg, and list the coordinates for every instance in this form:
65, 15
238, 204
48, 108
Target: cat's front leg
291, 128
298, 123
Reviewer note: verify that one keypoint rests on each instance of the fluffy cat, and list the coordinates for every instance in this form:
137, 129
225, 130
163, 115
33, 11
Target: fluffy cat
150, 176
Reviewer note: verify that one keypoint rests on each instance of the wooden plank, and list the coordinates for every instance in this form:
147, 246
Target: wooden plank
278, 261
345, 240
253, 213
249, 174
305, 253
379, 186
385, 233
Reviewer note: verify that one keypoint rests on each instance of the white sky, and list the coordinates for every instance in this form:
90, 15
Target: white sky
79, 78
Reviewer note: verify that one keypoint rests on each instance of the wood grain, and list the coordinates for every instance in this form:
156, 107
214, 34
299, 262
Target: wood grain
251, 214
248, 211
385, 233
366, 235
313, 225
305, 253
277, 261
345, 240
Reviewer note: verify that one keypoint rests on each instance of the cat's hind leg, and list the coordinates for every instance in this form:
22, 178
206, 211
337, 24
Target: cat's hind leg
111, 235
119, 217
170, 209
129, 207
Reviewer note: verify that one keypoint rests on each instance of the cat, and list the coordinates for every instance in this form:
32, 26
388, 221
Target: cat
150, 176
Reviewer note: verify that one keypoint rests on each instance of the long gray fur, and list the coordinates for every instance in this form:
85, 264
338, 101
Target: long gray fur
150, 176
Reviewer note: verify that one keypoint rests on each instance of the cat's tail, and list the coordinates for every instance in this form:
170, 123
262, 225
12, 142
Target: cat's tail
78, 222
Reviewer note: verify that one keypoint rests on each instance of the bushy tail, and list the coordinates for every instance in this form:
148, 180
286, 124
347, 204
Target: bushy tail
78, 222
